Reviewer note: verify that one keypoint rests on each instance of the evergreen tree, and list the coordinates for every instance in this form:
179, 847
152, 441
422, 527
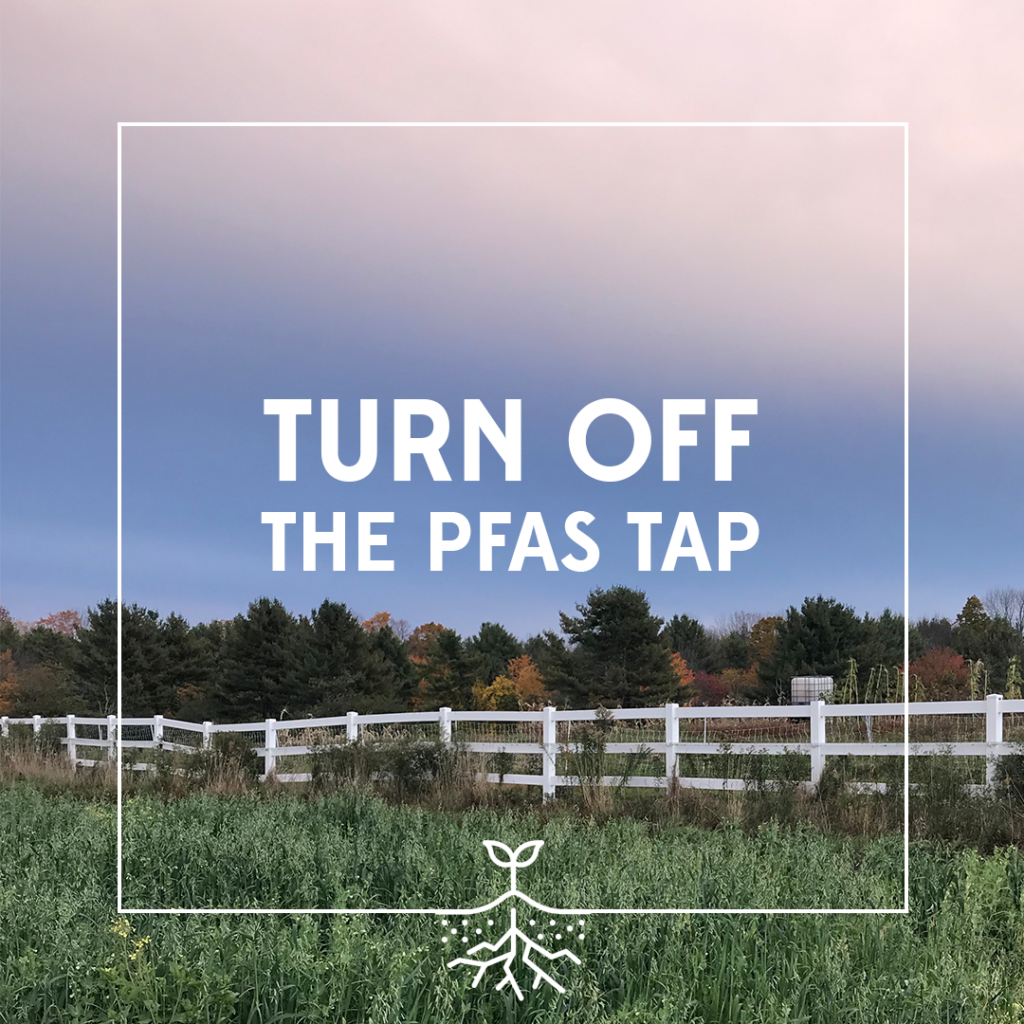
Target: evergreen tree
733, 652
818, 639
335, 657
262, 672
693, 643
553, 660
934, 633
389, 662
882, 641
992, 640
193, 657
43, 646
147, 685
618, 656
146, 682
446, 674
351, 667
95, 661
489, 652
969, 633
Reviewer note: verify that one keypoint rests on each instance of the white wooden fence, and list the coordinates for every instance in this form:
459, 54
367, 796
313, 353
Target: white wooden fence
820, 730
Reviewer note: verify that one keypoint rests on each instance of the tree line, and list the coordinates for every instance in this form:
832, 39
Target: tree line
611, 651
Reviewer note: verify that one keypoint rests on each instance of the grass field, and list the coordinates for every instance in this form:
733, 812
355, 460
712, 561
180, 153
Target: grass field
351, 850
65, 956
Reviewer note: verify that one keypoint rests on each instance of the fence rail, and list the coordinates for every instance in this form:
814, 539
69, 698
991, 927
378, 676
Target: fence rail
961, 728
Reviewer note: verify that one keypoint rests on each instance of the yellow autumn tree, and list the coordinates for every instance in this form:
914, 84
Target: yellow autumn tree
500, 695
522, 687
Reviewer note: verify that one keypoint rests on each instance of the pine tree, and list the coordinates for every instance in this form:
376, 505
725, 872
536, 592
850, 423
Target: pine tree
262, 673
95, 659
489, 652
618, 656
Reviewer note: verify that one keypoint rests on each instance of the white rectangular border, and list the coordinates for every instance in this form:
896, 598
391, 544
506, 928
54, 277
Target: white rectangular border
905, 126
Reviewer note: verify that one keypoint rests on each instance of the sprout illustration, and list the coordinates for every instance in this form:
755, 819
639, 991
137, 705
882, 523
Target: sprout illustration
514, 943
494, 848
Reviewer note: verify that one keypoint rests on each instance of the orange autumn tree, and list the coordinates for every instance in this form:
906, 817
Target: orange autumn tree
67, 622
686, 677
529, 681
419, 640
943, 674
9, 692
377, 622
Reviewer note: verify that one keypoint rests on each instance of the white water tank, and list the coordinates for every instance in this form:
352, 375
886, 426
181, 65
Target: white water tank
805, 689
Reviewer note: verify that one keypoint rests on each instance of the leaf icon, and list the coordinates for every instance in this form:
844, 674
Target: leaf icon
534, 845
493, 846
494, 849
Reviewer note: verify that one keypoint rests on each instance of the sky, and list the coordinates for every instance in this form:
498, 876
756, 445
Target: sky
557, 266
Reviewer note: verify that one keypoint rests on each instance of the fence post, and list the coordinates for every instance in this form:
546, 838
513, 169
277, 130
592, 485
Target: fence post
817, 740
158, 732
445, 720
352, 727
993, 734
112, 737
207, 735
671, 744
72, 746
550, 739
270, 742
5, 728
37, 726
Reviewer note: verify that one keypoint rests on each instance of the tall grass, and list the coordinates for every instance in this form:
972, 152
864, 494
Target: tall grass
345, 850
65, 957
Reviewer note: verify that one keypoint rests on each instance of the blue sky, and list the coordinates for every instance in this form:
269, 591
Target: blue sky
554, 266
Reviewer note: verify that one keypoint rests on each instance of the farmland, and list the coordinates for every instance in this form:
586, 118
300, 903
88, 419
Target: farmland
66, 956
